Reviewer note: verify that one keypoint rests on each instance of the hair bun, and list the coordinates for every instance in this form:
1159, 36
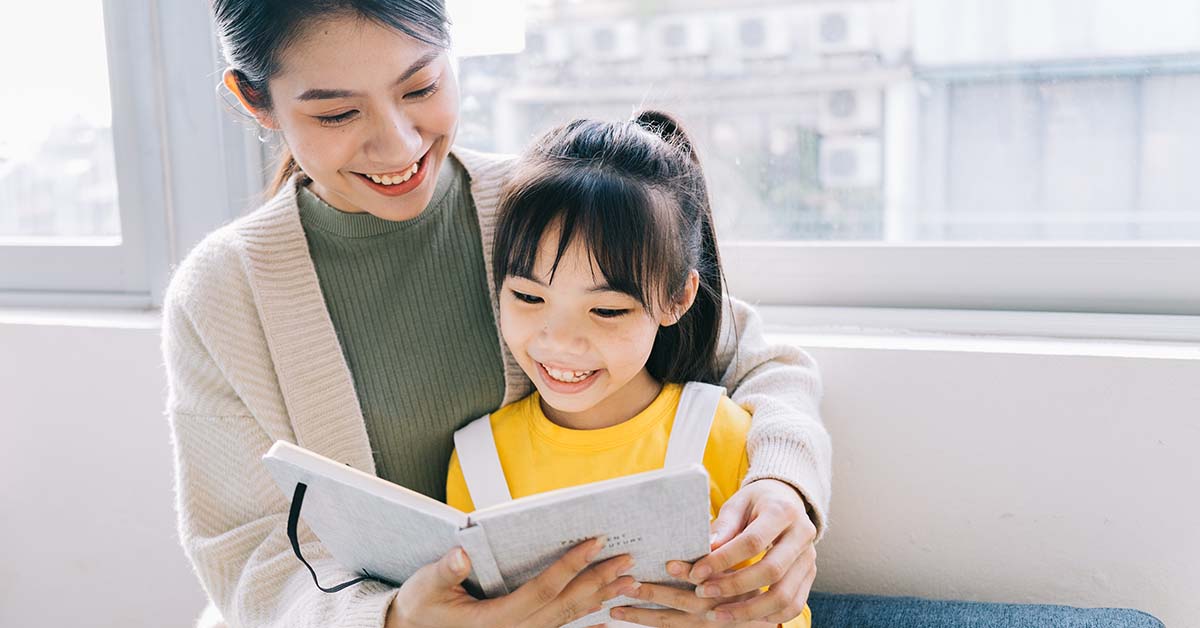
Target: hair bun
667, 127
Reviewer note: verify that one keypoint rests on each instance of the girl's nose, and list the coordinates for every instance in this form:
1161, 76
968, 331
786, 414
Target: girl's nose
563, 337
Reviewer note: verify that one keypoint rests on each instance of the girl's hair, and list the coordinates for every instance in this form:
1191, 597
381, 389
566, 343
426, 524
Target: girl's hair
254, 33
633, 194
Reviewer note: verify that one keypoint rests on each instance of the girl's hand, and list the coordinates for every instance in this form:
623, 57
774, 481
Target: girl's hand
567, 590
684, 608
766, 515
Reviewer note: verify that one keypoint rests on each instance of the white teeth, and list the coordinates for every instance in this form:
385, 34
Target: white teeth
393, 179
569, 377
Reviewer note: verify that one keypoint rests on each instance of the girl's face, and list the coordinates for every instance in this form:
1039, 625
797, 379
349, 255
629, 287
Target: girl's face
369, 114
583, 345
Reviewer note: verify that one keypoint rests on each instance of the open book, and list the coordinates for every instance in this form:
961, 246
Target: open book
372, 526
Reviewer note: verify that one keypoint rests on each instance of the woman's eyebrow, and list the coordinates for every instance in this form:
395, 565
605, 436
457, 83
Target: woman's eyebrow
327, 94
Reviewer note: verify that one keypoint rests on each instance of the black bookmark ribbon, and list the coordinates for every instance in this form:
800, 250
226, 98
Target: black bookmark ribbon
293, 520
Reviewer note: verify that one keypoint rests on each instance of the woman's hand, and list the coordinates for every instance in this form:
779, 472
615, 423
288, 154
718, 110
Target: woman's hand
766, 515
567, 590
684, 608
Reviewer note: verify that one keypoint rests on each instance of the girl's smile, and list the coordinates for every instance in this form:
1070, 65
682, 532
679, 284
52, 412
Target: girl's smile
567, 382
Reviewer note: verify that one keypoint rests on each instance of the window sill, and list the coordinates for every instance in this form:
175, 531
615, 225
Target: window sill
65, 317
1031, 333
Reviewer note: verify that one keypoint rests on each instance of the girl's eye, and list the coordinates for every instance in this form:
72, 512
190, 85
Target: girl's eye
424, 92
526, 298
608, 313
337, 119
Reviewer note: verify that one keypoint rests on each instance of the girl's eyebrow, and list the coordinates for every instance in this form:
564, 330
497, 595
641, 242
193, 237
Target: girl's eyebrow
604, 287
329, 94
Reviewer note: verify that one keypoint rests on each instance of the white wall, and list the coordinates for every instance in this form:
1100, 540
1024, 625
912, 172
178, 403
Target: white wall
1033, 477
86, 500
1016, 476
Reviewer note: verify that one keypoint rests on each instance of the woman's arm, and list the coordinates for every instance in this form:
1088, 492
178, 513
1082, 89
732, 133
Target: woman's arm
780, 508
781, 388
232, 516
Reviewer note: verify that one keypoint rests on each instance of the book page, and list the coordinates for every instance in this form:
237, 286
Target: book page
366, 523
655, 516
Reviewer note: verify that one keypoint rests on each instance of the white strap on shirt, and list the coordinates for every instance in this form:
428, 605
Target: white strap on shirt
485, 478
693, 422
480, 463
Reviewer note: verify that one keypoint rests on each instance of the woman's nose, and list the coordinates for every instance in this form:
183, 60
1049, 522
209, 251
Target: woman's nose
396, 140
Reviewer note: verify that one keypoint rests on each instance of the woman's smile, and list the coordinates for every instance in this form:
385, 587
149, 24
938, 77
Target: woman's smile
397, 183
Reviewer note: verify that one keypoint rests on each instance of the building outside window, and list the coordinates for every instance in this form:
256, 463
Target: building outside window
885, 120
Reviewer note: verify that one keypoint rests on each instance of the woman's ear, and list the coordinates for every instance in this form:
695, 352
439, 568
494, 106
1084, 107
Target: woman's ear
231, 83
684, 303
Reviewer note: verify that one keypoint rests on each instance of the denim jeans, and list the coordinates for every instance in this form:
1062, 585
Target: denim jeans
870, 611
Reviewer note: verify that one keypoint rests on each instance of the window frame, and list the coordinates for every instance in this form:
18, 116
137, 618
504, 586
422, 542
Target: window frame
184, 166
1142, 278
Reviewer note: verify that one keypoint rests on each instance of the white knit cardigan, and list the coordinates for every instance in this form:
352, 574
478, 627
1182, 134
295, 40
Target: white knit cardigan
252, 357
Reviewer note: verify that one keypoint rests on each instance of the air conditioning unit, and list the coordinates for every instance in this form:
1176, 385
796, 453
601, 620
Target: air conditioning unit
851, 162
850, 110
684, 38
762, 36
616, 41
549, 45
842, 30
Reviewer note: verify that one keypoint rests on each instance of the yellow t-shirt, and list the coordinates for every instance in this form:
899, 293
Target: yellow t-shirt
538, 455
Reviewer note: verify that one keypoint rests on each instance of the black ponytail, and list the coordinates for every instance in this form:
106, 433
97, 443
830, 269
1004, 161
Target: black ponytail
698, 330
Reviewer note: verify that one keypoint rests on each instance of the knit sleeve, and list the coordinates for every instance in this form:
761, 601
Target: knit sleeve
781, 388
232, 517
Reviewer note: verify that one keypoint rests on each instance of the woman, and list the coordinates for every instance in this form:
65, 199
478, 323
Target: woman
352, 314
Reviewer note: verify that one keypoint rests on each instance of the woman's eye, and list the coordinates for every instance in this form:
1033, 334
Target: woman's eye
337, 119
424, 92
609, 313
526, 298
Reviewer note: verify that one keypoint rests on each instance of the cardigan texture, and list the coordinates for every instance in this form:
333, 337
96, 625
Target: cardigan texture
252, 357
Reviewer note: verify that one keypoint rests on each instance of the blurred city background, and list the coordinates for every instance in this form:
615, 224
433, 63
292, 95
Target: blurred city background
856, 120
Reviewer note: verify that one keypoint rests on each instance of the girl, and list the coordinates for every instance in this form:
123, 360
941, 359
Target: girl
321, 318
610, 301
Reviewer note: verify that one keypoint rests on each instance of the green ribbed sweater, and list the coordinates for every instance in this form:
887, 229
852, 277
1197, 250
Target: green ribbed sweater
409, 303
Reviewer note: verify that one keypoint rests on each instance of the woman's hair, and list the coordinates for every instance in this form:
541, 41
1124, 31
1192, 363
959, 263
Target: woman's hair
254, 34
633, 194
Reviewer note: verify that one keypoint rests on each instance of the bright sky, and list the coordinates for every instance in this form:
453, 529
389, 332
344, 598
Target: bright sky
53, 64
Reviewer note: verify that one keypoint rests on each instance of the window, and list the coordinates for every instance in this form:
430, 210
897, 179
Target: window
116, 154
974, 154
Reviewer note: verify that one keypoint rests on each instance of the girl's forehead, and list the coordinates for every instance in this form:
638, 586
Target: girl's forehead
576, 265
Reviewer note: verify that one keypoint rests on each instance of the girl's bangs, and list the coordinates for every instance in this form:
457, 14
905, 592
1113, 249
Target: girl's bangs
614, 218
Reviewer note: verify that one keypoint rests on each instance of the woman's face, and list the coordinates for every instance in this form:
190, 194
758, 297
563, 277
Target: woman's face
369, 114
